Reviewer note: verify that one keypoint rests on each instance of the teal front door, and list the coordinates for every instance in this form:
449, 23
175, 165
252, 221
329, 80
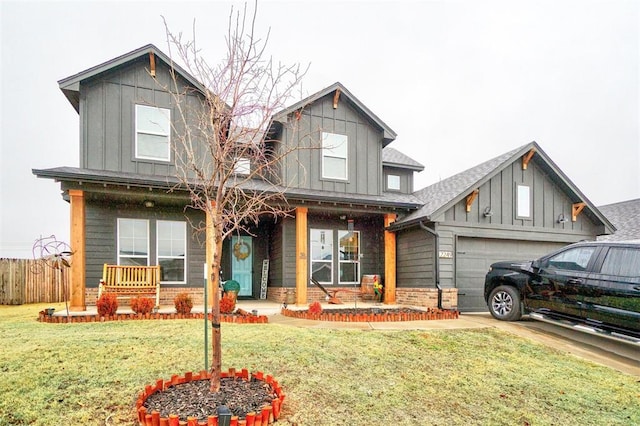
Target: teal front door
242, 264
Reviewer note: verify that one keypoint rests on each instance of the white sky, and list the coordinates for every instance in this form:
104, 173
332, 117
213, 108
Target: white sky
459, 81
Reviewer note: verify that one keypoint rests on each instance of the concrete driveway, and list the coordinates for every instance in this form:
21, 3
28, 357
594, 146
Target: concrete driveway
624, 357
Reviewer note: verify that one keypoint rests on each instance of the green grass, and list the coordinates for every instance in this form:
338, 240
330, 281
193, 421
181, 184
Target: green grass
91, 373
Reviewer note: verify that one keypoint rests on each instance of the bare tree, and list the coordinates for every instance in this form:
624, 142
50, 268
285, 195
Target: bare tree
224, 155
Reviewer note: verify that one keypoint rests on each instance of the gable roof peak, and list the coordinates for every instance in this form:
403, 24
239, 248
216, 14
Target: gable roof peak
70, 86
339, 90
442, 195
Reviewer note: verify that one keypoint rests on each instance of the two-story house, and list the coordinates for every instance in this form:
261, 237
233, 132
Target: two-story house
354, 210
126, 208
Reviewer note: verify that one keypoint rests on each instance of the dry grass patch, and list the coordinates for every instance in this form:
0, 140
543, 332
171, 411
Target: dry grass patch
71, 373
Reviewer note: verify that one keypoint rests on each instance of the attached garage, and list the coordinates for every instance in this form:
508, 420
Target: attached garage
517, 206
475, 255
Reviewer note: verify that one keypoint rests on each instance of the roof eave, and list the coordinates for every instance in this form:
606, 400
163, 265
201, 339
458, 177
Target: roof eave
72, 83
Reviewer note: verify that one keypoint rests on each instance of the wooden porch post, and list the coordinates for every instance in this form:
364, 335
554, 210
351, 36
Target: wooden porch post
77, 297
389, 261
302, 263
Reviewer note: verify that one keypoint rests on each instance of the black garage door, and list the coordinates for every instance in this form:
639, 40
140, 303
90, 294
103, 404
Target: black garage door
475, 255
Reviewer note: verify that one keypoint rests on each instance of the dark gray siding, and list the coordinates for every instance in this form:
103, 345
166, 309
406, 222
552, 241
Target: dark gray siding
406, 179
548, 201
415, 255
289, 252
303, 168
283, 246
101, 238
276, 256
107, 118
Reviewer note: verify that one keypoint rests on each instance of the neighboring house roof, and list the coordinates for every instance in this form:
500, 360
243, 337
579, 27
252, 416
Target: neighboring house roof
625, 216
74, 174
70, 86
388, 134
443, 195
393, 158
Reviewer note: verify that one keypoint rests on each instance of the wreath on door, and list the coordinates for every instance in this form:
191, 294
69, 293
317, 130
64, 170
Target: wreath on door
241, 250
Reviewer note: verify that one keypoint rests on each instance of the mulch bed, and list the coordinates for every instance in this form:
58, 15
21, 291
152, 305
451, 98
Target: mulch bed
373, 314
194, 399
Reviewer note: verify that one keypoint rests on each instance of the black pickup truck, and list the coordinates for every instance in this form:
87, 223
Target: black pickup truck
595, 285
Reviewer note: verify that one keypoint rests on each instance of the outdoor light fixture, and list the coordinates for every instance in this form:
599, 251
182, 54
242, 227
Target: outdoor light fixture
562, 219
487, 212
149, 204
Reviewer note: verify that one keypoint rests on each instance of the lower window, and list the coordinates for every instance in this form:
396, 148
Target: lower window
133, 242
322, 255
170, 243
172, 248
347, 254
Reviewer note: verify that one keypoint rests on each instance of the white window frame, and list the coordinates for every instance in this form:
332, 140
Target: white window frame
396, 181
344, 262
119, 236
243, 166
328, 235
335, 146
184, 249
164, 112
523, 201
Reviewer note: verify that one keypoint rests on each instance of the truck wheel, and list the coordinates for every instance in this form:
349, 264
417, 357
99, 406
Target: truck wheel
504, 303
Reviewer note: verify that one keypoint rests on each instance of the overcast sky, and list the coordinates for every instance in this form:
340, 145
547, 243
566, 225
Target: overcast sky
460, 82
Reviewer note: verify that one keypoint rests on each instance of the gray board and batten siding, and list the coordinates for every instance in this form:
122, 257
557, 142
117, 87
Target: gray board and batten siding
101, 222
470, 241
107, 117
282, 246
303, 168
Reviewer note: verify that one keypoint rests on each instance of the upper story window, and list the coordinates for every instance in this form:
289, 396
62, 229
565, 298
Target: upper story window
523, 202
133, 242
334, 156
153, 130
243, 166
393, 182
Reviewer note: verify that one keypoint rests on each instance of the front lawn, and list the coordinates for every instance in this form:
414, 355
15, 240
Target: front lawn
91, 373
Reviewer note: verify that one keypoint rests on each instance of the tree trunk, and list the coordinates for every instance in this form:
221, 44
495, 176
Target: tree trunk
215, 236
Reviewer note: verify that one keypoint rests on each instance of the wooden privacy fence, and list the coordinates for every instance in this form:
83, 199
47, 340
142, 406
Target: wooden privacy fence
31, 281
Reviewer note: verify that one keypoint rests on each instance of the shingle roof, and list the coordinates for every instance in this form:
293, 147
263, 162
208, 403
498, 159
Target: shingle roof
393, 157
393, 200
625, 216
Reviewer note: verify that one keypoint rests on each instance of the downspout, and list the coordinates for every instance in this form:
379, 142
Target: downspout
436, 260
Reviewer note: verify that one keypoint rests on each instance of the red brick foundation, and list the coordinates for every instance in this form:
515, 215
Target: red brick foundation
268, 414
427, 297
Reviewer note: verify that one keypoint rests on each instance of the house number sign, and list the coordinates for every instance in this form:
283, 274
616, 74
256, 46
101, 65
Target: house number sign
445, 254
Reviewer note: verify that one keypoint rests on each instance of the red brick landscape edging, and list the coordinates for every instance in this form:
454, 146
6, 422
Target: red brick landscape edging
429, 314
266, 416
241, 317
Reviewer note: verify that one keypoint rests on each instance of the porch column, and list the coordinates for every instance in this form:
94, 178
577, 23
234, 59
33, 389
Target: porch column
302, 262
389, 261
77, 297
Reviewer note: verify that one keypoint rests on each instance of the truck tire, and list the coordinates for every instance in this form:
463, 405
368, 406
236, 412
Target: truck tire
504, 303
